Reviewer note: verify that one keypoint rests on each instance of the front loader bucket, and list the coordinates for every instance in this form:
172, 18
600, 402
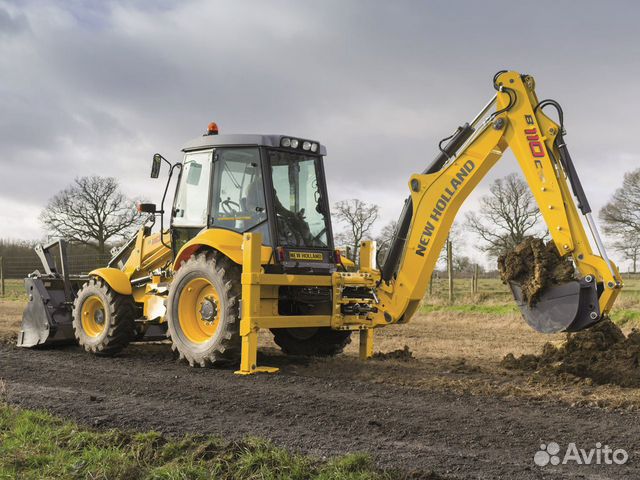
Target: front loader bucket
47, 319
568, 307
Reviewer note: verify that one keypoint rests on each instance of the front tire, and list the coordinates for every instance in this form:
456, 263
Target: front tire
321, 341
203, 316
103, 320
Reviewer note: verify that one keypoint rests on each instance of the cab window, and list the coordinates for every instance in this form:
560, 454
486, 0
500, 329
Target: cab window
238, 202
193, 192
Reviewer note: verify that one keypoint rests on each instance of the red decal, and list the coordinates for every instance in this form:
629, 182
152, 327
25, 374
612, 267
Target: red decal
537, 150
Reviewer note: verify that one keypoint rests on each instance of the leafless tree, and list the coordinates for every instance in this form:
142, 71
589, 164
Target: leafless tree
383, 241
358, 217
507, 215
621, 217
456, 239
628, 246
91, 211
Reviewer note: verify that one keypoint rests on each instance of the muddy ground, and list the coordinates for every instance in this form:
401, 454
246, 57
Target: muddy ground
602, 354
452, 409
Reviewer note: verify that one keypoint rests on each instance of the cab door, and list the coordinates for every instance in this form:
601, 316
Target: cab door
190, 212
238, 200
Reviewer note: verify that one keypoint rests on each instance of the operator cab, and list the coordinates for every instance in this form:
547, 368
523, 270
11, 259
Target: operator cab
272, 184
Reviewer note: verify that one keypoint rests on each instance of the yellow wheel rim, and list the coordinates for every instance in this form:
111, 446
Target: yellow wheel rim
94, 318
199, 310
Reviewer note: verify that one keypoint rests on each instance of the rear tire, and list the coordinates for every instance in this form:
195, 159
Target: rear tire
321, 341
103, 320
203, 316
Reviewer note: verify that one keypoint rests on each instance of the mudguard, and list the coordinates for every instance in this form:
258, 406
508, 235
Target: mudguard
115, 278
225, 241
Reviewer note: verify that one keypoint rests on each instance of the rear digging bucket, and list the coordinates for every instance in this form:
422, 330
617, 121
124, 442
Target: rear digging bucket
568, 307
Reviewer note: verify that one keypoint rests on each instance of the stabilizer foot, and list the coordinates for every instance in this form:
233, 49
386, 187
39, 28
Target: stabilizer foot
257, 370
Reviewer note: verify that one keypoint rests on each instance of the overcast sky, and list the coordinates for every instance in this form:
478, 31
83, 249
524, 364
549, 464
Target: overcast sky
96, 87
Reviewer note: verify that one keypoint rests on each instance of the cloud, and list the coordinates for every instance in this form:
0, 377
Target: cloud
97, 87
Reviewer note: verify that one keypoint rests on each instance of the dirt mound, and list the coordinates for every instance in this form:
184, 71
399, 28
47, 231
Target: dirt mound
535, 266
402, 354
602, 354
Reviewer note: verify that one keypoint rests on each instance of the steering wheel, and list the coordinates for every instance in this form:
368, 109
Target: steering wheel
230, 207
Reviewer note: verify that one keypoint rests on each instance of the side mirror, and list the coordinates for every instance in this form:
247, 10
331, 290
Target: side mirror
147, 207
155, 166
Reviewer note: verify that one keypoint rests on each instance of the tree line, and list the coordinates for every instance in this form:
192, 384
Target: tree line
506, 216
95, 215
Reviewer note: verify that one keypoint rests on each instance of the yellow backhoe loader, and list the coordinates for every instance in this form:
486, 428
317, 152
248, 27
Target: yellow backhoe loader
250, 247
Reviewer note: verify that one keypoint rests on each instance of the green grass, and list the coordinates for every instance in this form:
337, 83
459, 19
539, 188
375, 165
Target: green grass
490, 309
36, 445
14, 290
494, 298
626, 317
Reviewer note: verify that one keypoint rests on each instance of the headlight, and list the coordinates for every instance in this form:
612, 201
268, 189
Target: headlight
306, 145
285, 142
314, 147
294, 143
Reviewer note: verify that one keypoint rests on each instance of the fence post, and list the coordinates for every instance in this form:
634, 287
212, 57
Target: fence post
450, 269
2, 291
431, 285
472, 283
475, 278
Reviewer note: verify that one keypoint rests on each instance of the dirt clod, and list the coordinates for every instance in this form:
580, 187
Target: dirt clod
535, 266
402, 354
602, 354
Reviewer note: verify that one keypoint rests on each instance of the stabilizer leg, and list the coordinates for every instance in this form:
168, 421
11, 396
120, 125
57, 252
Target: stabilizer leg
250, 306
366, 343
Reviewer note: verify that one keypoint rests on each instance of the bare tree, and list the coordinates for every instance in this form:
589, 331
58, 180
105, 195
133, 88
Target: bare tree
621, 217
456, 239
463, 264
383, 241
359, 217
628, 246
91, 211
507, 215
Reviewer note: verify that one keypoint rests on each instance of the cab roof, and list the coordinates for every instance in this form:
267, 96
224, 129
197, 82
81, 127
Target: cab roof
242, 139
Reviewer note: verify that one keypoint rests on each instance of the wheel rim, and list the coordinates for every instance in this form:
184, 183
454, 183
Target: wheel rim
198, 310
94, 319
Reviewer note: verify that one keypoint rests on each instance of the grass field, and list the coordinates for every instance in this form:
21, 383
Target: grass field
36, 445
494, 298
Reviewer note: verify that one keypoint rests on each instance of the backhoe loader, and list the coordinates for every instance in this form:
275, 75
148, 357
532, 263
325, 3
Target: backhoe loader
250, 246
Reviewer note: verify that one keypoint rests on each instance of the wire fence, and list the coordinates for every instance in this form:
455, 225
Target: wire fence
18, 267
15, 267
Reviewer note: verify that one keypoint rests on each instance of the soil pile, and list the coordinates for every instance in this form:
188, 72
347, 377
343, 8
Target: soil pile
602, 354
535, 266
402, 354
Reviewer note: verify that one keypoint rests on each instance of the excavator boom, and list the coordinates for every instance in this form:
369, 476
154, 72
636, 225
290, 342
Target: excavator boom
520, 124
